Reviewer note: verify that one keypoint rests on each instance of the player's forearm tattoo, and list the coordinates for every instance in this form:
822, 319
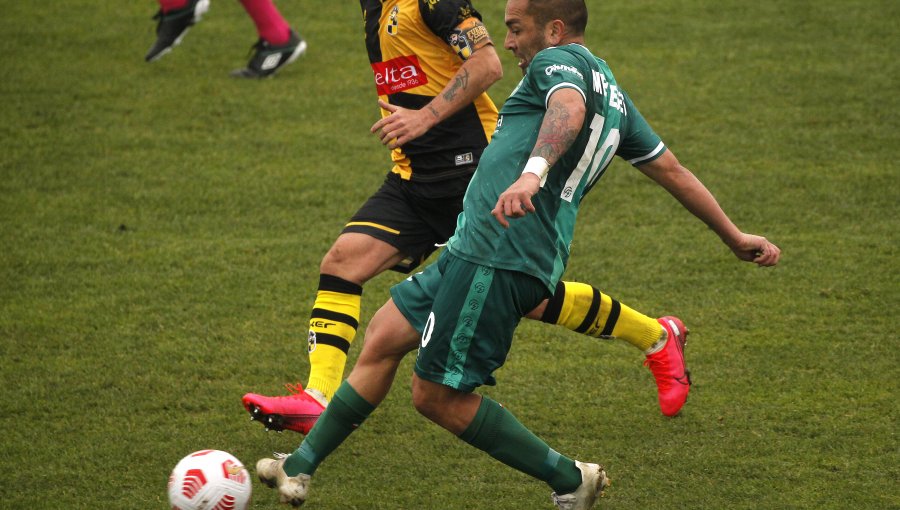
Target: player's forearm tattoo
556, 135
434, 112
459, 83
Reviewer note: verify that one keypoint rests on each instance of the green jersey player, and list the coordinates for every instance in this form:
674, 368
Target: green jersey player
556, 135
538, 244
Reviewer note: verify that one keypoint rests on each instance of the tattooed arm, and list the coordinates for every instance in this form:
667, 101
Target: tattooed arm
561, 125
477, 73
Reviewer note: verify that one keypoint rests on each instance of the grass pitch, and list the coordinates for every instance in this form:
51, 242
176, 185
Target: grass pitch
161, 227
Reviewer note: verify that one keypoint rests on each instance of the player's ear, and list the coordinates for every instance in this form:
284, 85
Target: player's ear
555, 31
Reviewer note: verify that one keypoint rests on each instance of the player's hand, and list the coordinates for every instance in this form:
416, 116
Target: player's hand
756, 249
515, 202
402, 125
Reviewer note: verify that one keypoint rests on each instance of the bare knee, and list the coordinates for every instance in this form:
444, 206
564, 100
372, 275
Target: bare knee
358, 258
384, 343
427, 400
388, 338
335, 261
452, 409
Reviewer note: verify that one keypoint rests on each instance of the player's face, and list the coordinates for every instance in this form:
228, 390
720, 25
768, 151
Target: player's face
523, 37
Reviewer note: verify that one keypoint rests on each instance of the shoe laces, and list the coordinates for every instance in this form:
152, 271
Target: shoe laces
659, 365
296, 389
258, 46
658, 368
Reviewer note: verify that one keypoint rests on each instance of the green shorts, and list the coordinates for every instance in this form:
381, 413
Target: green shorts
467, 314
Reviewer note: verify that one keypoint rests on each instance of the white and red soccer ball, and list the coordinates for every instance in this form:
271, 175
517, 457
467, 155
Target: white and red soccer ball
209, 480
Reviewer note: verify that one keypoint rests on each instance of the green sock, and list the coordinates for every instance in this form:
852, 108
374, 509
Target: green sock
346, 411
497, 432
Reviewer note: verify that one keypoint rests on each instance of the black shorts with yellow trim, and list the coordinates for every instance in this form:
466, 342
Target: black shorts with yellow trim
413, 217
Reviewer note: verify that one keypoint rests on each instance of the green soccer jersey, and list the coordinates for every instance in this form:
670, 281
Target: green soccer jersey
538, 244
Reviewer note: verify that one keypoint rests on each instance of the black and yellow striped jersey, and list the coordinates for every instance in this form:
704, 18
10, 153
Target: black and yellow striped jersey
414, 50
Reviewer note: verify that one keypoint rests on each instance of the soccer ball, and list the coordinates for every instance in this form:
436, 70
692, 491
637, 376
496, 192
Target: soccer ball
209, 480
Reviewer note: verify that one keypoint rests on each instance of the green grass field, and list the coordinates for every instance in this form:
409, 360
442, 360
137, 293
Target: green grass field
161, 227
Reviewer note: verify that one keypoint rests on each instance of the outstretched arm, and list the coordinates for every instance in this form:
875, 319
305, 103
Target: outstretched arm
473, 78
693, 195
559, 129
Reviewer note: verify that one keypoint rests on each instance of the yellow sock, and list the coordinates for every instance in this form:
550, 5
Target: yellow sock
584, 309
332, 327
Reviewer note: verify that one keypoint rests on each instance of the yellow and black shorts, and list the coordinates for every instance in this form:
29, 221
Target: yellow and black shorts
414, 217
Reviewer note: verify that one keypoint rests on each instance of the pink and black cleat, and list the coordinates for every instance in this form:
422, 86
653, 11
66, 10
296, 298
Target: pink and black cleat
673, 379
298, 411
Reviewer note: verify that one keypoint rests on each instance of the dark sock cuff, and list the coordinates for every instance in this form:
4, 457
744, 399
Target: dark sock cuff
333, 283
554, 304
486, 415
356, 406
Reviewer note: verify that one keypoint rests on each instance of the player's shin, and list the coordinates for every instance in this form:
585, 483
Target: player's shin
332, 328
584, 309
346, 411
497, 432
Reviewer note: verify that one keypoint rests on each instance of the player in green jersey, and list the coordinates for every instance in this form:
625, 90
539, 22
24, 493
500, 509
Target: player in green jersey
556, 135
432, 63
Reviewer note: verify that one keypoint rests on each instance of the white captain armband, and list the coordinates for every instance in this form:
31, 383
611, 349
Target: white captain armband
538, 166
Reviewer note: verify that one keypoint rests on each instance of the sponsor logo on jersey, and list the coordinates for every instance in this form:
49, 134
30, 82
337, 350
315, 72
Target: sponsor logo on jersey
549, 70
398, 74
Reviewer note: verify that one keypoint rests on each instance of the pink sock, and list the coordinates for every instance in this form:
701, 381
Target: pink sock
270, 25
167, 6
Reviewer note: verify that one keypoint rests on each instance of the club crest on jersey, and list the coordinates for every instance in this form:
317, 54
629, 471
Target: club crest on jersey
393, 25
398, 74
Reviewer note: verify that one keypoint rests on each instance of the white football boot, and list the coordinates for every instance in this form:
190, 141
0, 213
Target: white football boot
593, 481
291, 489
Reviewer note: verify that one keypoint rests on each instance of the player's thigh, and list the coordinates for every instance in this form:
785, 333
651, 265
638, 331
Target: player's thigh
389, 335
414, 224
414, 296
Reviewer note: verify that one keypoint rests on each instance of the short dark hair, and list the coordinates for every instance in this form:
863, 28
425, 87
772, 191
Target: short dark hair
572, 12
